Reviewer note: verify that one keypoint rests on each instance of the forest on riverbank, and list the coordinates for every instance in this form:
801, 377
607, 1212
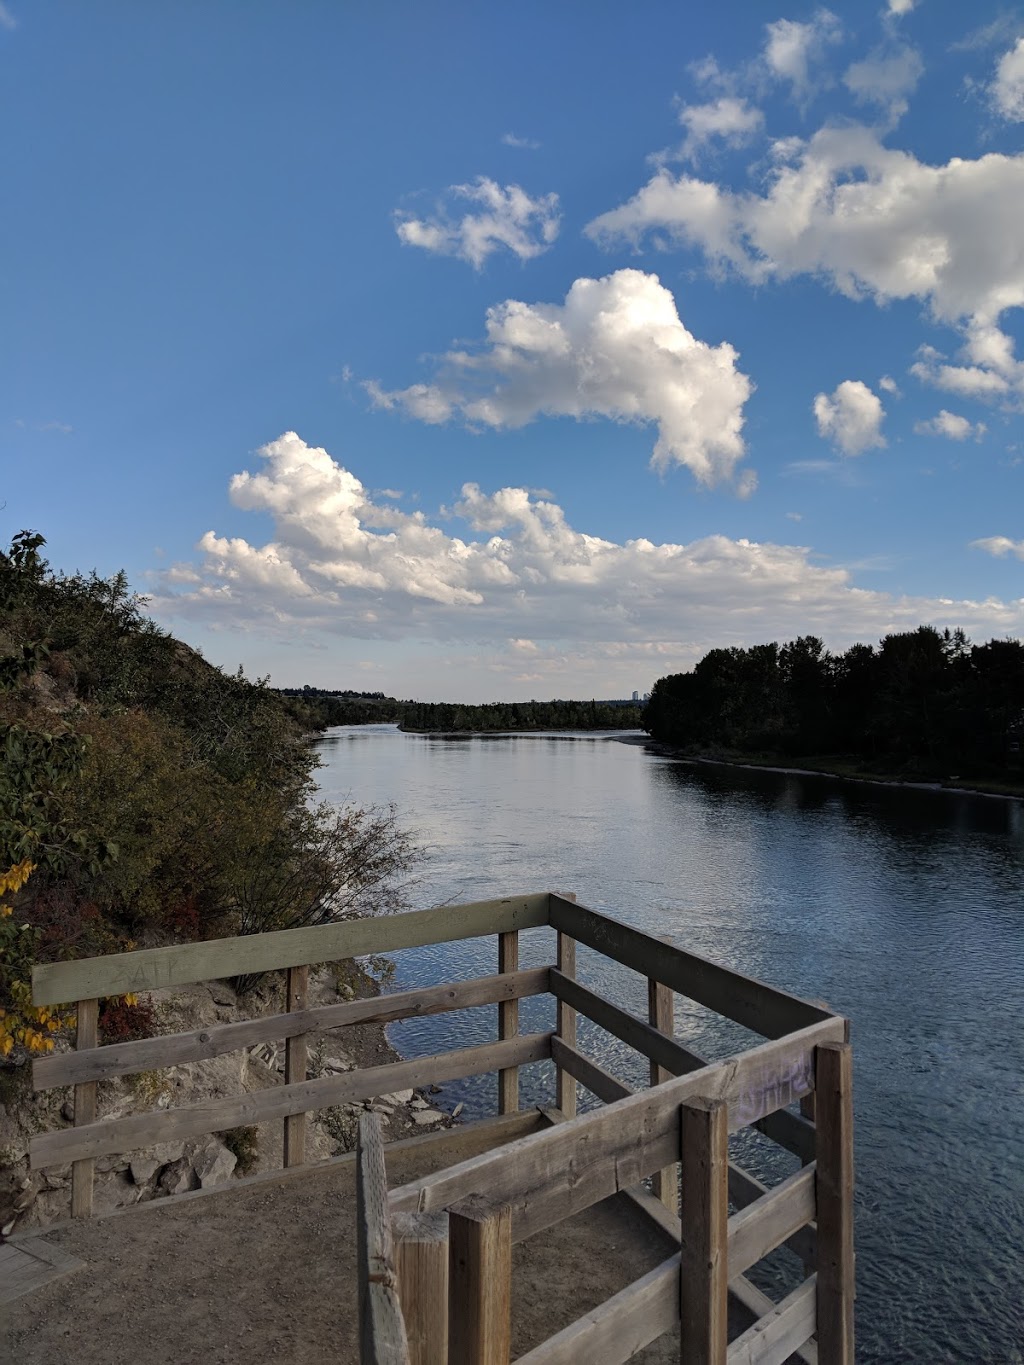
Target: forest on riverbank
319, 708
147, 797
923, 704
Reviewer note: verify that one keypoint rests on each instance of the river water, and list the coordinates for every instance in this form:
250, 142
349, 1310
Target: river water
902, 909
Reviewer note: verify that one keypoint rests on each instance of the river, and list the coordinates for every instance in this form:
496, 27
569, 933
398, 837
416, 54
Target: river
902, 909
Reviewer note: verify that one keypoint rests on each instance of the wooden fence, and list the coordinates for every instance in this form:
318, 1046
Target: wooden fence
449, 1237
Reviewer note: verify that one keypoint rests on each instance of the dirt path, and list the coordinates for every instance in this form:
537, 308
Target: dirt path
266, 1272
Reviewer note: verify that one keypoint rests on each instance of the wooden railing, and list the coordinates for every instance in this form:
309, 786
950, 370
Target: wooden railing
447, 1238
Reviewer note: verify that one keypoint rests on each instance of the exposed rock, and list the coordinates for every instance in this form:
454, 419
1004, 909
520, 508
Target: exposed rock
67, 1112
144, 1168
222, 994
179, 1177
425, 1116
213, 1163
337, 1064
396, 1097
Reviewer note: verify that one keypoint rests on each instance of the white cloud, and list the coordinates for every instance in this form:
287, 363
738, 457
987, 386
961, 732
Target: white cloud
886, 79
795, 52
851, 418
889, 385
1000, 546
898, 7
871, 221
731, 119
1007, 89
500, 217
7, 19
991, 371
519, 585
952, 426
526, 143
616, 348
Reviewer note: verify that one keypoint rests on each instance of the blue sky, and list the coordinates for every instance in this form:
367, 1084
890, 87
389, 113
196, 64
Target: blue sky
490, 352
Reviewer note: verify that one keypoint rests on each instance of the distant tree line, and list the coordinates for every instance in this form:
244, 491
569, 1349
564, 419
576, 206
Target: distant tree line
317, 709
923, 701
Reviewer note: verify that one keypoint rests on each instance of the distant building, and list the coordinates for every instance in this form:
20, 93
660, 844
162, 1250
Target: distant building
636, 696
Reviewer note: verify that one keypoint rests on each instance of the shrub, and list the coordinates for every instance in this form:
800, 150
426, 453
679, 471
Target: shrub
123, 1019
244, 1142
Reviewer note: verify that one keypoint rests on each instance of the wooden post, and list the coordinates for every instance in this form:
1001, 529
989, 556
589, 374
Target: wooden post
382, 1339
479, 1283
296, 998
704, 1270
421, 1260
508, 1024
86, 1035
834, 1193
565, 1020
660, 1013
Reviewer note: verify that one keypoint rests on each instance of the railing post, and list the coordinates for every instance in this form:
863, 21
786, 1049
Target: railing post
296, 998
660, 1013
382, 1338
508, 1023
833, 1087
421, 1260
565, 1020
480, 1283
704, 1270
86, 1035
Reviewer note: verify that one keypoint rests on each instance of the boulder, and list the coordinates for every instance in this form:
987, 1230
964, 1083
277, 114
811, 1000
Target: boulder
213, 1163
144, 1168
425, 1116
179, 1177
396, 1097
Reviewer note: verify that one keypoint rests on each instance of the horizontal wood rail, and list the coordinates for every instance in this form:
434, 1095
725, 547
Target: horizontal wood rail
544, 1180
121, 1059
761, 1008
214, 1116
57, 983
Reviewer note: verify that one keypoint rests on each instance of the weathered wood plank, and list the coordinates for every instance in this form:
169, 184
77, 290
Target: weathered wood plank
508, 1023
150, 969
296, 998
755, 1005
836, 1283
565, 1024
382, 1339
670, 1055
480, 1282
86, 1036
663, 1303
661, 1016
29, 1264
620, 1327
780, 1333
745, 1189
791, 1131
148, 1054
421, 1259
214, 1116
769, 1221
598, 1081
549, 1176
704, 1237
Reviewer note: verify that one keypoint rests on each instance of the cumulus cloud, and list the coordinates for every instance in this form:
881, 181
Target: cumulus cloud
499, 217
795, 52
952, 426
886, 78
732, 120
616, 348
851, 417
1007, 89
871, 221
526, 143
519, 583
1000, 546
898, 7
988, 369
889, 385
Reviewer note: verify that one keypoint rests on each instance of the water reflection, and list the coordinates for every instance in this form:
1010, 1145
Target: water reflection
901, 908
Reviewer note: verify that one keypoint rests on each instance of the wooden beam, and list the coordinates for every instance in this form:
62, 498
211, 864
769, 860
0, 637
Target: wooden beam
214, 1116
593, 1077
836, 1282
508, 1023
86, 1036
151, 969
780, 1333
543, 1178
148, 1054
382, 1339
704, 1260
565, 1026
296, 998
421, 1259
771, 1220
762, 1008
670, 1056
661, 1016
746, 1189
480, 1282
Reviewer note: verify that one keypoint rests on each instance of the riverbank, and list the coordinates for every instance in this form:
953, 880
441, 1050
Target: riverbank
838, 771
